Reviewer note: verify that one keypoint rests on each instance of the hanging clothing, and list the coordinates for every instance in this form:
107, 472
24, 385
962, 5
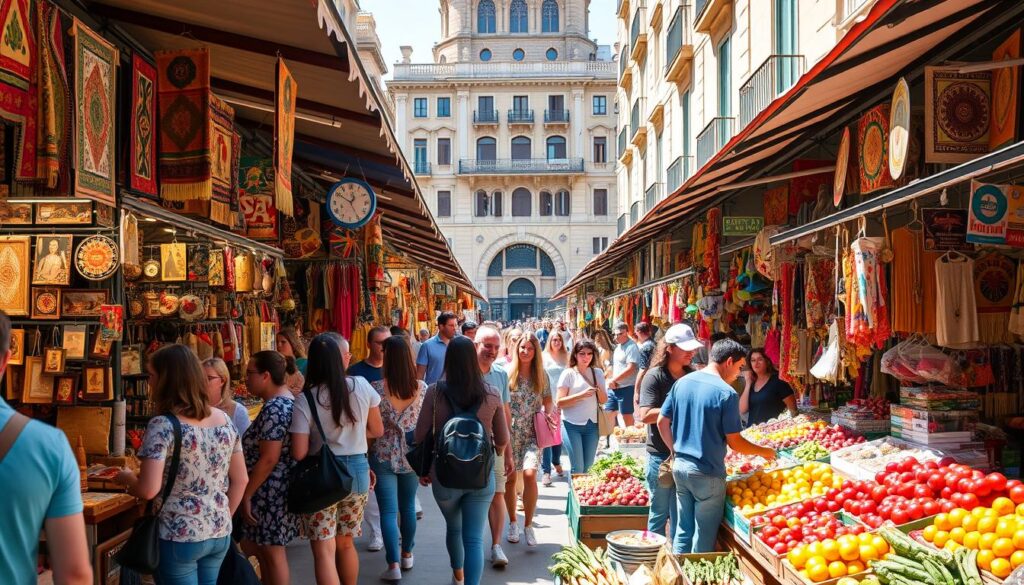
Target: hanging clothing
956, 310
907, 292
871, 323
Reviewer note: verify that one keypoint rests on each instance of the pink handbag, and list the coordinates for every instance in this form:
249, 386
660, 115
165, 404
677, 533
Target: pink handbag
548, 429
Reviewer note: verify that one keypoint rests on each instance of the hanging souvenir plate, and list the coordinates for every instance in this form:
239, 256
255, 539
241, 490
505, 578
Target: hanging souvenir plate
151, 269
842, 162
168, 304
96, 258
191, 308
132, 272
899, 129
136, 307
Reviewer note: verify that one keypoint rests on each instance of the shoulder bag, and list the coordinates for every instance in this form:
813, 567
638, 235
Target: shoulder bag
421, 456
318, 481
141, 552
604, 426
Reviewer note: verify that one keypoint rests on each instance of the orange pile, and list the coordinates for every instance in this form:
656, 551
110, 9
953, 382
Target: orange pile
830, 559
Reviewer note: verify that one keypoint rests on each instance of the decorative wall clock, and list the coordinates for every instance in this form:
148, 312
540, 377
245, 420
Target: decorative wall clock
351, 203
97, 257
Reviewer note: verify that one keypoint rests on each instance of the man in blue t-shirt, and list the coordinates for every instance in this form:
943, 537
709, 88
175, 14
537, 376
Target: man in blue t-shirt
699, 419
40, 479
430, 360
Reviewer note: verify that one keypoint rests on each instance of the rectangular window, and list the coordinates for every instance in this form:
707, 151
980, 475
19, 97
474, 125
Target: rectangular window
444, 204
600, 244
546, 204
556, 103
600, 149
600, 105
419, 107
563, 201
600, 201
520, 104
724, 79
485, 103
444, 151
483, 204
419, 147
686, 127
496, 204
444, 107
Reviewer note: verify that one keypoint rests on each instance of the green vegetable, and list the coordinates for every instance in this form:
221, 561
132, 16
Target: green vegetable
722, 571
616, 458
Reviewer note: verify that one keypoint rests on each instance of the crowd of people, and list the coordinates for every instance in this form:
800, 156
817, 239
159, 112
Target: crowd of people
477, 389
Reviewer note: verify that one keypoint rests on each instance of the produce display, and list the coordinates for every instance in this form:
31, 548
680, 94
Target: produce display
615, 459
867, 459
740, 464
788, 527
864, 409
578, 565
630, 435
721, 571
833, 558
810, 451
767, 489
994, 534
831, 438
617, 486
911, 563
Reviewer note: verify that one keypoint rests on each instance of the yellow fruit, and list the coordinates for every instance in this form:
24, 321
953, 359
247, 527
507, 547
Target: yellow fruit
854, 567
971, 540
864, 538
1006, 528
868, 553
1018, 540
943, 522
929, 532
837, 569
798, 557
957, 534
1003, 506
1020, 509
815, 549
970, 523
941, 537
985, 558
881, 546
817, 573
1017, 558
831, 550
951, 545
987, 540
987, 524
978, 512
1003, 548
1001, 568
956, 516
849, 550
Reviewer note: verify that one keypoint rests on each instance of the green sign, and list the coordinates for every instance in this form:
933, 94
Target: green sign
742, 226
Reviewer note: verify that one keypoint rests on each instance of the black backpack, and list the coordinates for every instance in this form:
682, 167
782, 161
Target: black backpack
464, 456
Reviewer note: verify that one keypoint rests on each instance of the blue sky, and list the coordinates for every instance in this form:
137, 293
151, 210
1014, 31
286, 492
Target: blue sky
417, 23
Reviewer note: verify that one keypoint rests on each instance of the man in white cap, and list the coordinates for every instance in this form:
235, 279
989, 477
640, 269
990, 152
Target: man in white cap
671, 361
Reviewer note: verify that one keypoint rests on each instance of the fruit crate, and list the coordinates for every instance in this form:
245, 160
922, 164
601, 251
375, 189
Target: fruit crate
788, 455
791, 575
773, 559
680, 560
913, 530
585, 510
590, 524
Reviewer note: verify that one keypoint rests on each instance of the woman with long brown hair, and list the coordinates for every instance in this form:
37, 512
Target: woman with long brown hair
195, 519
765, 395
581, 394
528, 385
605, 350
289, 345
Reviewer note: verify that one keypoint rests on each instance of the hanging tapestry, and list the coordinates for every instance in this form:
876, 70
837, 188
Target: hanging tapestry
223, 173
256, 198
805, 189
95, 79
958, 111
183, 89
873, 150
284, 137
776, 206
300, 234
142, 166
54, 124
374, 239
1005, 94
994, 279
852, 165
18, 90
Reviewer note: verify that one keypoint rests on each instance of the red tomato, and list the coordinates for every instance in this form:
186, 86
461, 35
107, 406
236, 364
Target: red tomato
900, 516
948, 506
1010, 484
996, 482
922, 491
981, 488
878, 493
880, 477
946, 493
936, 481
931, 508
969, 501
921, 474
914, 511
931, 464
833, 506
1017, 493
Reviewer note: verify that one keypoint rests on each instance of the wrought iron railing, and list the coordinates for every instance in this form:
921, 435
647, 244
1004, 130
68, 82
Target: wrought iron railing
520, 116
623, 140
678, 172
653, 195
485, 117
773, 78
469, 166
712, 138
421, 167
678, 36
556, 116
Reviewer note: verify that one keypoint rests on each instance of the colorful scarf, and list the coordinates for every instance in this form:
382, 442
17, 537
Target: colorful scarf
284, 137
53, 131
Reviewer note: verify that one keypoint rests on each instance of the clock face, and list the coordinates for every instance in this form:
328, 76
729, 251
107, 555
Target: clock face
351, 203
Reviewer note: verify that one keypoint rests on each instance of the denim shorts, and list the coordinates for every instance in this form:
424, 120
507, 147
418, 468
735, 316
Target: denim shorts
620, 400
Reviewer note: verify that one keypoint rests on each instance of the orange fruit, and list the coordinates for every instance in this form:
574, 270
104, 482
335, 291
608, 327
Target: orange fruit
881, 546
929, 532
985, 558
815, 549
942, 522
971, 540
830, 549
868, 553
854, 567
1003, 506
1006, 528
1017, 558
864, 538
1020, 509
987, 524
1001, 568
941, 537
837, 569
849, 550
817, 573
1018, 539
987, 540
1003, 548
798, 557
956, 516
951, 545
957, 534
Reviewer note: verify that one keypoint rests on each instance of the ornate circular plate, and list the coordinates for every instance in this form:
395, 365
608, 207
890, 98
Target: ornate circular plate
46, 303
842, 162
168, 304
899, 129
96, 258
136, 307
151, 269
191, 308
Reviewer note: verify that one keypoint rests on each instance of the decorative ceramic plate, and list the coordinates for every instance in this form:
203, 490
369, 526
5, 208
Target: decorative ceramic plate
842, 163
151, 269
168, 304
191, 308
899, 129
96, 258
46, 303
136, 308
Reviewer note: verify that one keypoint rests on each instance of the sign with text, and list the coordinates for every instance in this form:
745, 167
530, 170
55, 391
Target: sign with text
996, 214
944, 229
742, 226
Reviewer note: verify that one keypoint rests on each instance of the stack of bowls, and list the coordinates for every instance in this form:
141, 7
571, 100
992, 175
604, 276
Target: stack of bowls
632, 548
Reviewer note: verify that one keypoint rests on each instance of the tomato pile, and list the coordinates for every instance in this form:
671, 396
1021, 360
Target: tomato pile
767, 489
615, 487
785, 528
831, 438
878, 408
995, 531
832, 558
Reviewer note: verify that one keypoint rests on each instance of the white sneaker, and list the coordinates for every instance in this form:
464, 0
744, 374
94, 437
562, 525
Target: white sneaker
512, 535
457, 582
407, 563
394, 574
376, 543
546, 480
559, 471
531, 538
498, 558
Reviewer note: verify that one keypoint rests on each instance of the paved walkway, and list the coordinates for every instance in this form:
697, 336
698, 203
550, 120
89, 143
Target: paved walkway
527, 565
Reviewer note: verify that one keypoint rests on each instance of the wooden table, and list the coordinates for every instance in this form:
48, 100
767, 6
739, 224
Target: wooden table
109, 518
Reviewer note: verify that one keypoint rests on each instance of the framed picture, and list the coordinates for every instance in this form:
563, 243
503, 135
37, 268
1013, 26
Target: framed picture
100, 348
15, 274
131, 360
15, 213
95, 384
104, 215
65, 389
45, 302
83, 302
173, 264
17, 347
108, 570
53, 361
37, 387
76, 213
14, 378
75, 339
53, 260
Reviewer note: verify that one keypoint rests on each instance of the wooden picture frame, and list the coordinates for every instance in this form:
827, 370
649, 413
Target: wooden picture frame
83, 302
54, 360
14, 378
15, 265
52, 261
37, 388
132, 360
17, 347
100, 348
15, 213
108, 570
76, 340
105, 215
46, 302
173, 262
64, 213
95, 384
65, 389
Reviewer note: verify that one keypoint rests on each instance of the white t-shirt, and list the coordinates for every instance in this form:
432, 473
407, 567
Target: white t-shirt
583, 411
554, 372
350, 437
626, 354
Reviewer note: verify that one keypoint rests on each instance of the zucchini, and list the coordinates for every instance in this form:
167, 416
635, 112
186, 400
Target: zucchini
933, 572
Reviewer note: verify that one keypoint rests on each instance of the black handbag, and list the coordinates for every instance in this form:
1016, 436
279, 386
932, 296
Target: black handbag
318, 481
141, 552
236, 568
421, 456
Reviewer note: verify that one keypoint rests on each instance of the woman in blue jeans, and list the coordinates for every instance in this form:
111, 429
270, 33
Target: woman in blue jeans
581, 392
195, 519
464, 511
401, 400
345, 413
556, 359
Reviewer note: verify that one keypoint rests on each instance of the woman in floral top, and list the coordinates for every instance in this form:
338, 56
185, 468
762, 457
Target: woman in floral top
195, 520
267, 447
401, 399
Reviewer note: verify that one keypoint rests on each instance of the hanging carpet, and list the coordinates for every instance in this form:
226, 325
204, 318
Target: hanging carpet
54, 123
958, 110
142, 166
183, 88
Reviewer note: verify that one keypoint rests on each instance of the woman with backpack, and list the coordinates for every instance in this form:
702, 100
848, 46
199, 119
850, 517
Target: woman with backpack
463, 401
401, 401
581, 394
348, 410
528, 386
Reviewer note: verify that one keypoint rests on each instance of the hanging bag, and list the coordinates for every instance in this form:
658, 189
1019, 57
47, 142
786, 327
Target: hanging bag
321, 480
421, 456
548, 429
605, 428
141, 552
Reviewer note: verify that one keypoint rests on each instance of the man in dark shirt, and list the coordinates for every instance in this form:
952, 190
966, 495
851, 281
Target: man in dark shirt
671, 361
371, 367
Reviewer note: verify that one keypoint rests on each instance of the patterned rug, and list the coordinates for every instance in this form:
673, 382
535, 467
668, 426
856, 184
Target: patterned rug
54, 131
958, 111
95, 84
18, 89
224, 145
142, 165
284, 137
184, 161
873, 150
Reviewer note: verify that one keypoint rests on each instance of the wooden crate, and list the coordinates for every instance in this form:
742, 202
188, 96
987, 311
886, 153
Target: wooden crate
754, 570
773, 559
791, 575
592, 530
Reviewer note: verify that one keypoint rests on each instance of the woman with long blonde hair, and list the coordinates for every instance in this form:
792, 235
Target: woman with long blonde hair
528, 386
556, 359
509, 340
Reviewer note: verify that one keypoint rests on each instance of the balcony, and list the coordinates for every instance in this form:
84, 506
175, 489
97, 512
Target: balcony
654, 194
621, 225
521, 166
713, 138
625, 71
625, 152
556, 116
622, 9
520, 117
657, 12
503, 70
485, 117
712, 15
421, 167
773, 78
634, 213
639, 135
638, 34
678, 172
657, 116
678, 48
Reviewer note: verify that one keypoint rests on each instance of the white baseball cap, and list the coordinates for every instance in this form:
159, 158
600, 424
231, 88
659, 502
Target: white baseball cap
682, 336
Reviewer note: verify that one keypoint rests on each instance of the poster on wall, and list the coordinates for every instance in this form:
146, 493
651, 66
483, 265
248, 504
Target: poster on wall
958, 111
944, 229
256, 198
990, 211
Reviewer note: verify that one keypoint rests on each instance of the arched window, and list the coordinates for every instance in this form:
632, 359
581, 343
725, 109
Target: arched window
486, 149
546, 204
549, 16
519, 17
522, 204
485, 18
521, 148
547, 267
522, 288
483, 204
556, 147
495, 267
